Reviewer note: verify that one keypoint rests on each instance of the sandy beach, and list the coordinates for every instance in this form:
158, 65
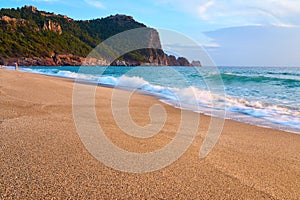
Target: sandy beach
42, 156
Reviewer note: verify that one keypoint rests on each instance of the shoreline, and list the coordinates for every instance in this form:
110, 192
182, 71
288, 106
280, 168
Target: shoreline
259, 122
43, 157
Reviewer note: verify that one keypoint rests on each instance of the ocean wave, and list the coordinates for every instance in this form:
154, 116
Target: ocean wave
230, 77
60, 73
198, 98
194, 98
284, 115
284, 73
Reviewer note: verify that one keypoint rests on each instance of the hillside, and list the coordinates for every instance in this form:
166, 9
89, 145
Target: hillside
32, 37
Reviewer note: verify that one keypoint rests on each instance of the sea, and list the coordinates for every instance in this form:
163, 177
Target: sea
263, 96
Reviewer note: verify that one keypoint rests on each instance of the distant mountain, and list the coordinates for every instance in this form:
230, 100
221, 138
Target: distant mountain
32, 37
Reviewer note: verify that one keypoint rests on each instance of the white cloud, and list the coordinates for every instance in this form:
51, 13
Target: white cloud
283, 8
286, 25
95, 3
256, 46
203, 8
240, 12
211, 45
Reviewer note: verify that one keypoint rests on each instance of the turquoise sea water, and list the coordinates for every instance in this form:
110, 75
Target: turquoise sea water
265, 96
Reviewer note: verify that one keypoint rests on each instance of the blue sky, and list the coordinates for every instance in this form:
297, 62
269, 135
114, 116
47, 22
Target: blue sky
234, 32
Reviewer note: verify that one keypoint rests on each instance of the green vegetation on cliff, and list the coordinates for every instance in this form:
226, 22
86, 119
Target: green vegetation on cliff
23, 34
29, 33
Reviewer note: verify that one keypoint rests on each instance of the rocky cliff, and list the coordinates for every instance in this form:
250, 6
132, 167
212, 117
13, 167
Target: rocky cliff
52, 26
33, 37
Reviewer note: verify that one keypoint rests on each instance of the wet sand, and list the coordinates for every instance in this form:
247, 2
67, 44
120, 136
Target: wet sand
42, 156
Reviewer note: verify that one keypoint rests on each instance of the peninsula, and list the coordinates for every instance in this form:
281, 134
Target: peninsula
38, 38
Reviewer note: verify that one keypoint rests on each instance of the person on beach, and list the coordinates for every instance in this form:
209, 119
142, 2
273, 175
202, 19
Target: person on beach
16, 66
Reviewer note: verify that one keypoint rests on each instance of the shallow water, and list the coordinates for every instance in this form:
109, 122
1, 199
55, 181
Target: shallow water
265, 96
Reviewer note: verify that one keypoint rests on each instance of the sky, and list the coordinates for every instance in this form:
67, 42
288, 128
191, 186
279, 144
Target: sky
233, 32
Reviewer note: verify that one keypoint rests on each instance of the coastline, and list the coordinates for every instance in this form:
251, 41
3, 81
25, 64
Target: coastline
43, 158
253, 118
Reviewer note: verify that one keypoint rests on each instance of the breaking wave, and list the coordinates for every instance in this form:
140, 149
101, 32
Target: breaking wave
199, 99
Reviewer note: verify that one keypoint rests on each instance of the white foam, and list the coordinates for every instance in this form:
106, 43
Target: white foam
193, 98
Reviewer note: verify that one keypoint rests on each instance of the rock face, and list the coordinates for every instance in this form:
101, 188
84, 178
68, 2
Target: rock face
48, 24
24, 40
56, 60
33, 61
52, 26
13, 20
8, 19
183, 61
173, 61
121, 18
73, 60
196, 63
31, 8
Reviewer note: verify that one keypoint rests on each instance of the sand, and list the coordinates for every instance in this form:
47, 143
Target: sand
42, 156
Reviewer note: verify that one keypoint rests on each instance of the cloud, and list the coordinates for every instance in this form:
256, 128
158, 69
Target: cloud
286, 25
211, 45
95, 3
239, 12
284, 8
256, 46
204, 7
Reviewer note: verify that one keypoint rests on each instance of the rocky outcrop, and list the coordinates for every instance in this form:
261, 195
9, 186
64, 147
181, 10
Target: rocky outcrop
119, 63
67, 59
183, 61
121, 18
10, 23
34, 61
48, 25
13, 20
196, 63
173, 60
52, 26
73, 60
156, 57
180, 61
55, 60
31, 8
23, 37
94, 62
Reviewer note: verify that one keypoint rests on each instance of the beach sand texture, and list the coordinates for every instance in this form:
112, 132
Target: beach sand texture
42, 156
